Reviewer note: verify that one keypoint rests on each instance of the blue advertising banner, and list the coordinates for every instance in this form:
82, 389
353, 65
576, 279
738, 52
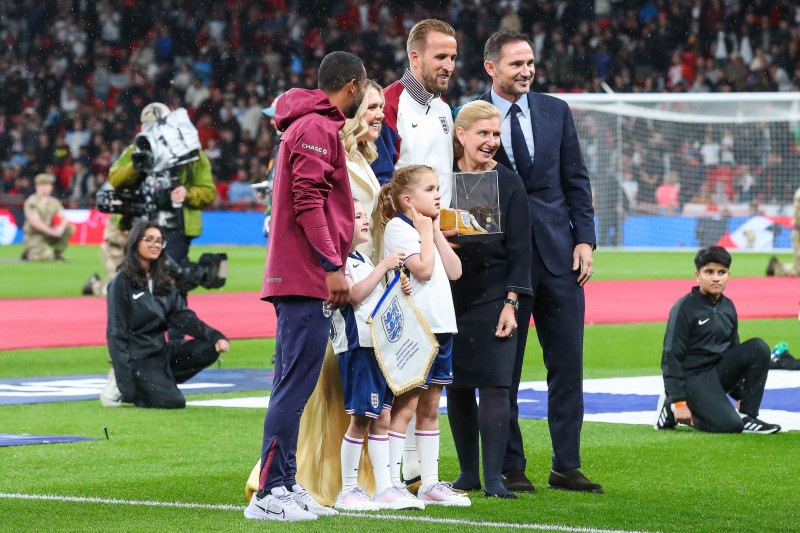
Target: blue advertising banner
640, 231
232, 227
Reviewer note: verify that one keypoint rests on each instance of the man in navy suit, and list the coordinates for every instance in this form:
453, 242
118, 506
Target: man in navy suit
539, 142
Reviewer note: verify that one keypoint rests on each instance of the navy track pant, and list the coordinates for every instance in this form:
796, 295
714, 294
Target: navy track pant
300, 349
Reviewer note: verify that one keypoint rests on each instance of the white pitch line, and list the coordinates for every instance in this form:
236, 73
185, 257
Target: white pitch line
86, 499
228, 507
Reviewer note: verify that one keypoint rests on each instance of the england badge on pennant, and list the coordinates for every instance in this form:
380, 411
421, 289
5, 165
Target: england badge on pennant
404, 346
392, 321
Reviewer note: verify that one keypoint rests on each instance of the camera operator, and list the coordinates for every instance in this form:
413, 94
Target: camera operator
142, 302
193, 192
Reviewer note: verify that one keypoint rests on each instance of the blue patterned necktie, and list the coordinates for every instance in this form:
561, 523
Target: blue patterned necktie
522, 157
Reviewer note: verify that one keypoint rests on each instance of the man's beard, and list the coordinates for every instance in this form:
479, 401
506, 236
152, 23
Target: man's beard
431, 83
513, 90
351, 111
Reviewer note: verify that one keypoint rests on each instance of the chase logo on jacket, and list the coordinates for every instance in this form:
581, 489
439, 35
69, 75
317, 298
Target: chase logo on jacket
323, 151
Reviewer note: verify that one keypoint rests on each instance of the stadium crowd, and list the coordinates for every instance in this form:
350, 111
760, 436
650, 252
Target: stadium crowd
75, 75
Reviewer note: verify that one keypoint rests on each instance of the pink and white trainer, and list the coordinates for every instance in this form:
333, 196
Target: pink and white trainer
441, 494
397, 497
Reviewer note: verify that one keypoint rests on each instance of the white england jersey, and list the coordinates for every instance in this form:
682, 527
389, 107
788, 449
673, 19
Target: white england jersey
433, 297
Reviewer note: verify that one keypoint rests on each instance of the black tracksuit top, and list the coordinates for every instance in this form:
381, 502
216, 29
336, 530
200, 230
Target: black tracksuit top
137, 324
698, 333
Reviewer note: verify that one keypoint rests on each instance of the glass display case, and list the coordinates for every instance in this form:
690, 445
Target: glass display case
475, 207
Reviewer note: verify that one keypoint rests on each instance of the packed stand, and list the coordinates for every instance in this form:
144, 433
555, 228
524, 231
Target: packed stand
75, 75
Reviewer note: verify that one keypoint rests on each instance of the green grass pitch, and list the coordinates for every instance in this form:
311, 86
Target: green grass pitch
655, 481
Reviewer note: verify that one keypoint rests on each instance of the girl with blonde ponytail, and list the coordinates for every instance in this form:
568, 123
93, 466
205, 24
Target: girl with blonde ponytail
409, 207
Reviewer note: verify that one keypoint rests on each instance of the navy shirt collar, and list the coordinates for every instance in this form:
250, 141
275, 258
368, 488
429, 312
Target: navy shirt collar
405, 219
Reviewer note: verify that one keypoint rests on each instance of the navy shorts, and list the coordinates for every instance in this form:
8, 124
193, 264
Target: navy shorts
442, 368
363, 386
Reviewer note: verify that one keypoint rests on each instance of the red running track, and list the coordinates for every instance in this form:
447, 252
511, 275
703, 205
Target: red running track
59, 322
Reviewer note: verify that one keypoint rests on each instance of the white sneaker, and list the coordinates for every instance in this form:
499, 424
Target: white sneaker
398, 497
279, 505
441, 494
110, 396
355, 499
306, 501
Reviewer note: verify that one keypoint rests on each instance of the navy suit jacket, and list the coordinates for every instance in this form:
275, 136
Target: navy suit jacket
559, 193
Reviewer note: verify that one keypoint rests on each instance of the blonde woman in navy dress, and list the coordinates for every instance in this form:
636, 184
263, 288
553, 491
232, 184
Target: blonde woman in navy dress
495, 275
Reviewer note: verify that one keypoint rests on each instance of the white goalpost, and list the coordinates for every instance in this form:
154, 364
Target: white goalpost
691, 169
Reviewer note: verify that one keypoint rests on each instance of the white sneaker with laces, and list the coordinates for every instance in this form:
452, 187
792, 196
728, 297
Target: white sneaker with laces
398, 497
306, 501
441, 494
110, 396
279, 505
355, 499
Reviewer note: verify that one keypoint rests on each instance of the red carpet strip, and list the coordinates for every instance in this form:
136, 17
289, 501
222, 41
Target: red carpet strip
60, 322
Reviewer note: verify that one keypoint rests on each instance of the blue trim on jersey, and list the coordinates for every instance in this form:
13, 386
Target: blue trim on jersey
350, 327
405, 219
385, 293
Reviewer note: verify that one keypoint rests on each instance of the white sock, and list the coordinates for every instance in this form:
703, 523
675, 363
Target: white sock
396, 443
351, 456
428, 446
410, 456
378, 449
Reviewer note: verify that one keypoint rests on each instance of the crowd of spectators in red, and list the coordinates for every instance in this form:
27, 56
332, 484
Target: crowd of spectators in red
75, 74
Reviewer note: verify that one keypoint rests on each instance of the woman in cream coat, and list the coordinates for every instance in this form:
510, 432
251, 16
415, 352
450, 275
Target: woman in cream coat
324, 420
359, 136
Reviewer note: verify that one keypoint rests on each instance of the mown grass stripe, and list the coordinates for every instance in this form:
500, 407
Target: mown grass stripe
227, 507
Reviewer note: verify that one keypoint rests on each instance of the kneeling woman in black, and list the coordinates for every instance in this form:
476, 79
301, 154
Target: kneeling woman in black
142, 304
495, 274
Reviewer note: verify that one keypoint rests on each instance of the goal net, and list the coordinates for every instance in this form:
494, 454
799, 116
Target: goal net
690, 170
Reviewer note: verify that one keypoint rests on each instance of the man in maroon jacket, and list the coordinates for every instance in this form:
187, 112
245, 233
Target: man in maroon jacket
309, 238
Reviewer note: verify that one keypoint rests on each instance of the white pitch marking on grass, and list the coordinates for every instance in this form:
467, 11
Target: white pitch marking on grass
405, 518
86, 499
253, 402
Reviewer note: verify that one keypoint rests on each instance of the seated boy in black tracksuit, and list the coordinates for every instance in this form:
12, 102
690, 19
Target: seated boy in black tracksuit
703, 361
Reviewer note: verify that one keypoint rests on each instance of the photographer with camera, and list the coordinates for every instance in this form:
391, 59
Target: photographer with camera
165, 176
142, 302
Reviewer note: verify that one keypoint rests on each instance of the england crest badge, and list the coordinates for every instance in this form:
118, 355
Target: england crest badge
404, 346
465, 221
392, 321
445, 127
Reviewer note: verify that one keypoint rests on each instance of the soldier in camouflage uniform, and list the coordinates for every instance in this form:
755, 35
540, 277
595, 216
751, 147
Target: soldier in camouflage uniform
775, 267
46, 229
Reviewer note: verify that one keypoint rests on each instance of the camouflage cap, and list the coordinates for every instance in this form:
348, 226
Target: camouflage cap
43, 179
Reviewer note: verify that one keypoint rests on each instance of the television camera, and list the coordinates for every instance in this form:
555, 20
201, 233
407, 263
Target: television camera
160, 150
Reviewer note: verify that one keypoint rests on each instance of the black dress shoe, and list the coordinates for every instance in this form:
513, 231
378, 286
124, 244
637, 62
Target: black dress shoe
517, 481
573, 480
504, 495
